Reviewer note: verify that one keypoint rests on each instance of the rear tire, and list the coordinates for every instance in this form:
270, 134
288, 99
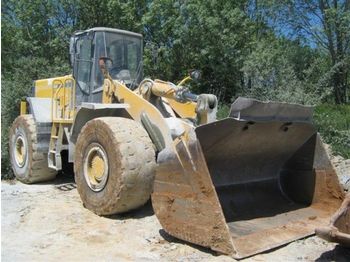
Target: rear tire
28, 164
114, 165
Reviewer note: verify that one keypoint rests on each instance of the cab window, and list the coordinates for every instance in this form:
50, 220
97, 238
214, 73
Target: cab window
83, 63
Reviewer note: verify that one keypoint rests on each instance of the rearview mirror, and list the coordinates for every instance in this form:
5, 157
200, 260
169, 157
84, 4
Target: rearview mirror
195, 74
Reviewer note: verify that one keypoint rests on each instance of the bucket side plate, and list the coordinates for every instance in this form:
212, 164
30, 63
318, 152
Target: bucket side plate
184, 198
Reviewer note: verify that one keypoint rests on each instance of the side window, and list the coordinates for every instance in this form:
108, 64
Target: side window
132, 58
116, 53
84, 63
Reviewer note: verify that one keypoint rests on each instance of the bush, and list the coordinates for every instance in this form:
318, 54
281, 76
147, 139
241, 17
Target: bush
333, 123
223, 111
11, 95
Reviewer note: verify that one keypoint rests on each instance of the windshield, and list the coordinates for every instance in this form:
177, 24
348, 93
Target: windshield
125, 53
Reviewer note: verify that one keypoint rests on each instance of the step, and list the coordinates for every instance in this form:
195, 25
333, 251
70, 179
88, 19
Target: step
53, 167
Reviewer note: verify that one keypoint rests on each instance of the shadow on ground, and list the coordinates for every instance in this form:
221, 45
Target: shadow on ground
141, 212
339, 253
64, 181
172, 239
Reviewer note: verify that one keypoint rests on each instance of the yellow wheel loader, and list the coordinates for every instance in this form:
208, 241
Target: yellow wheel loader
255, 180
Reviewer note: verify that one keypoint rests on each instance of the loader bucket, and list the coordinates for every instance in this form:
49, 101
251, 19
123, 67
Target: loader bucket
248, 183
339, 227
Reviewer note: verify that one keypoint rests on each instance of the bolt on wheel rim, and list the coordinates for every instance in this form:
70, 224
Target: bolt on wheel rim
20, 151
96, 167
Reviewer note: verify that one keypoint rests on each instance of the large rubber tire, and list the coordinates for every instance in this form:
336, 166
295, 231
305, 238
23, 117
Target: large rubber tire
131, 165
34, 167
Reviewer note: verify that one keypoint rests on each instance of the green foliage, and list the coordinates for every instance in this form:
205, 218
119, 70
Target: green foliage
223, 111
10, 98
34, 45
120, 14
333, 123
325, 24
238, 45
214, 37
272, 73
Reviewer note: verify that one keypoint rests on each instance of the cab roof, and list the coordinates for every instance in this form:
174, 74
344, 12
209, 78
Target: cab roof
107, 29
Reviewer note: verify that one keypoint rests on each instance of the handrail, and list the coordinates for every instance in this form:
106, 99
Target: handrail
72, 96
54, 96
68, 103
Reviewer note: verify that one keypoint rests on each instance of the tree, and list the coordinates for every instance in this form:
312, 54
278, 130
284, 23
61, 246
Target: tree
213, 37
120, 14
324, 24
273, 71
35, 37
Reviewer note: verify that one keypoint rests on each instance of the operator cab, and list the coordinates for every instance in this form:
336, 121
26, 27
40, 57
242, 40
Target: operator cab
123, 48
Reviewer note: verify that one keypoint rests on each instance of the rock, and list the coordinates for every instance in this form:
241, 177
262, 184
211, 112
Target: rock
345, 182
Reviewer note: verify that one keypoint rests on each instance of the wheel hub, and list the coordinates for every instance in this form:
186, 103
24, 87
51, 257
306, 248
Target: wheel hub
96, 167
20, 151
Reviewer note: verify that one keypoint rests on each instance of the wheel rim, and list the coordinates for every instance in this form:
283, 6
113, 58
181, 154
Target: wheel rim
96, 167
20, 150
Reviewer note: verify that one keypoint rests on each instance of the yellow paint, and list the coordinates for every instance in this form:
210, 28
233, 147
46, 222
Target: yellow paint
138, 105
96, 168
20, 151
62, 92
63, 99
187, 78
184, 110
23, 109
63, 121
168, 91
165, 89
43, 87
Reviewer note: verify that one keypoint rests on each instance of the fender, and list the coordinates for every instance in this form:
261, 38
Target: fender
40, 108
89, 111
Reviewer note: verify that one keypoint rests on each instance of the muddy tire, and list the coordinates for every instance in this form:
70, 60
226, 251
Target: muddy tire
28, 163
114, 165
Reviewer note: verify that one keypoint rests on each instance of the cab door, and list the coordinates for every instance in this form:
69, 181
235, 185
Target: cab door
82, 68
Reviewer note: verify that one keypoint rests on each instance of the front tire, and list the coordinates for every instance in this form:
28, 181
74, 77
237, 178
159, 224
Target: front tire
114, 165
28, 163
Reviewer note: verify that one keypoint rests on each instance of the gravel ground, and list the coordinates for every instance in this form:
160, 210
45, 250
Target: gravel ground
47, 222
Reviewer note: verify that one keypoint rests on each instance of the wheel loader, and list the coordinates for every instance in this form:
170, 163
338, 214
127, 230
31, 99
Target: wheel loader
253, 181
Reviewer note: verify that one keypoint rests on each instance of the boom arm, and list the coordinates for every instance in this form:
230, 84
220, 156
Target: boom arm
202, 107
183, 102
